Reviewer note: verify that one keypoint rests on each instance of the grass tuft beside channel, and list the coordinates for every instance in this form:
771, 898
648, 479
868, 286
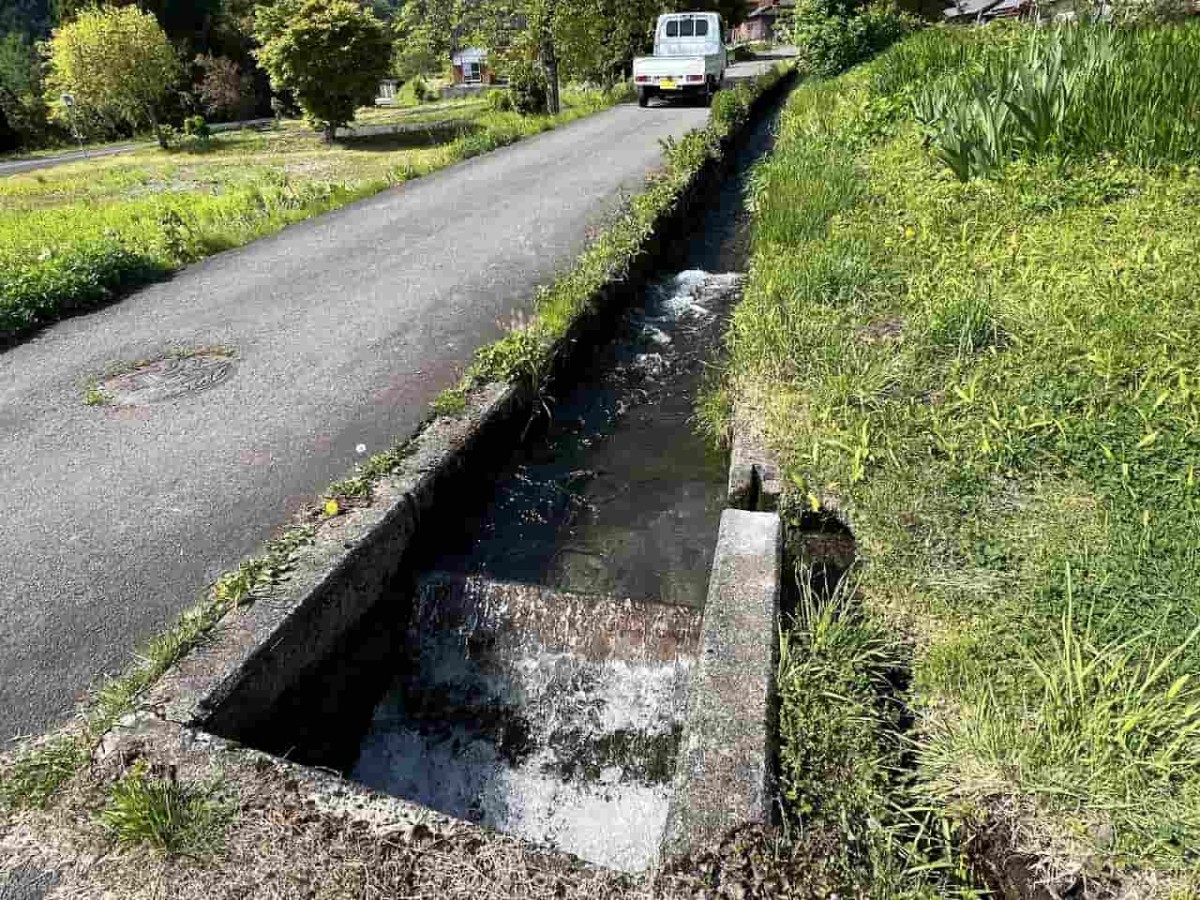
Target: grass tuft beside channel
78, 235
995, 381
159, 810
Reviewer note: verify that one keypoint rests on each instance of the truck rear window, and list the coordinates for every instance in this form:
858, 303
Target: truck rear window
687, 28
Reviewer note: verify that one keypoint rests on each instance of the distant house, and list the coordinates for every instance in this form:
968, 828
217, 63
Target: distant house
971, 12
763, 22
470, 66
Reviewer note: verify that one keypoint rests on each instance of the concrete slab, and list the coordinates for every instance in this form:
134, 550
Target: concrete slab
724, 778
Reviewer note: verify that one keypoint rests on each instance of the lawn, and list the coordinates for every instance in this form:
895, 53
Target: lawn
973, 329
78, 234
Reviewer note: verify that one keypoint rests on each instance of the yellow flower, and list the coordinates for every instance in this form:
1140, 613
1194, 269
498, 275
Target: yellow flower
332, 508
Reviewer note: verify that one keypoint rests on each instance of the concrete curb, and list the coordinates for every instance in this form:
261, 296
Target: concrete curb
753, 474
725, 772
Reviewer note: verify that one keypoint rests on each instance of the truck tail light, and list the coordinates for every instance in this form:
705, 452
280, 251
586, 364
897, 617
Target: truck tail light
642, 79
695, 79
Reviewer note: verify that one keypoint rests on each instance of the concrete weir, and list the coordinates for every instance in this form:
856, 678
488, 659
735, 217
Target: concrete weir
620, 721
621, 731
555, 717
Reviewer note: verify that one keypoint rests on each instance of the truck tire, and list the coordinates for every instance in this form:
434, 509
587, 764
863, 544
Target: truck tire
709, 92
643, 97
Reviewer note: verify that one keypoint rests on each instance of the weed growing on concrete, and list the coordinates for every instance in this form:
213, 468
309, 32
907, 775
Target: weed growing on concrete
450, 402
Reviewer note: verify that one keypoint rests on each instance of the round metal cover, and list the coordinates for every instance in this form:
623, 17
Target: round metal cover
166, 378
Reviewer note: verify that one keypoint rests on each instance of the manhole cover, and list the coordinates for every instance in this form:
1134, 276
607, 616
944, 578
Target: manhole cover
163, 379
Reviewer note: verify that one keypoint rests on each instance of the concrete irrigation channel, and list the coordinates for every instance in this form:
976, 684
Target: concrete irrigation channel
557, 624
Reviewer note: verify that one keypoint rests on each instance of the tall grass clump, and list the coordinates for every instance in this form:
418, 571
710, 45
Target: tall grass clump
1074, 91
159, 810
844, 779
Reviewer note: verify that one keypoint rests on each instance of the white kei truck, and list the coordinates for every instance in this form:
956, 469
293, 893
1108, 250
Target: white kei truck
689, 58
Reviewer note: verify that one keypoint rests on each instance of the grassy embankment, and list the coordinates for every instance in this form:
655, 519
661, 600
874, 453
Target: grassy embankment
973, 321
74, 235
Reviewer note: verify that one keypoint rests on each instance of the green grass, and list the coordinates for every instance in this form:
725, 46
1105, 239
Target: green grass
995, 381
36, 775
78, 234
156, 809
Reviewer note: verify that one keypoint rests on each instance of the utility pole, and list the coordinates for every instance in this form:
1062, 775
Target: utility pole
68, 100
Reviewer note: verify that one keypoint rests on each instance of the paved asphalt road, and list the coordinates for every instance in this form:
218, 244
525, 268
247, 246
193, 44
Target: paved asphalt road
345, 327
30, 164
18, 166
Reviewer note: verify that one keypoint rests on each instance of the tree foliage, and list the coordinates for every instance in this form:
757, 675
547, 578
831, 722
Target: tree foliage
331, 54
117, 64
427, 32
224, 91
833, 35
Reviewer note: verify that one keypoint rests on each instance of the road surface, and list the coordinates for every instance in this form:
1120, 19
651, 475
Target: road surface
345, 328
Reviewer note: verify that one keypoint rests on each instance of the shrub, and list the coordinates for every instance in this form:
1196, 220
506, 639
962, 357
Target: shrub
421, 91
197, 128
331, 53
833, 35
225, 93
116, 63
500, 101
528, 88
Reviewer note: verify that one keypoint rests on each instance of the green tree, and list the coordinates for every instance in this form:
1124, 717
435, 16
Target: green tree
18, 65
331, 53
425, 34
117, 64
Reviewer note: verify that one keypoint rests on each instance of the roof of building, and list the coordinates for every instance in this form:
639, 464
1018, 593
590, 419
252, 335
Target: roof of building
770, 7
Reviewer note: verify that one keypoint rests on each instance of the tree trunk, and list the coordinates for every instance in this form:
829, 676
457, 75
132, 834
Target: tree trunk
160, 133
550, 64
330, 132
550, 57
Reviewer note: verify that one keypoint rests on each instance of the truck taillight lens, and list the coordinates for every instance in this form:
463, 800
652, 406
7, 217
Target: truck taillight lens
695, 79
642, 79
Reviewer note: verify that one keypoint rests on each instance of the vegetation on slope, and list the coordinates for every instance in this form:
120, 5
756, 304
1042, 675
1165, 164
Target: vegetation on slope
993, 380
